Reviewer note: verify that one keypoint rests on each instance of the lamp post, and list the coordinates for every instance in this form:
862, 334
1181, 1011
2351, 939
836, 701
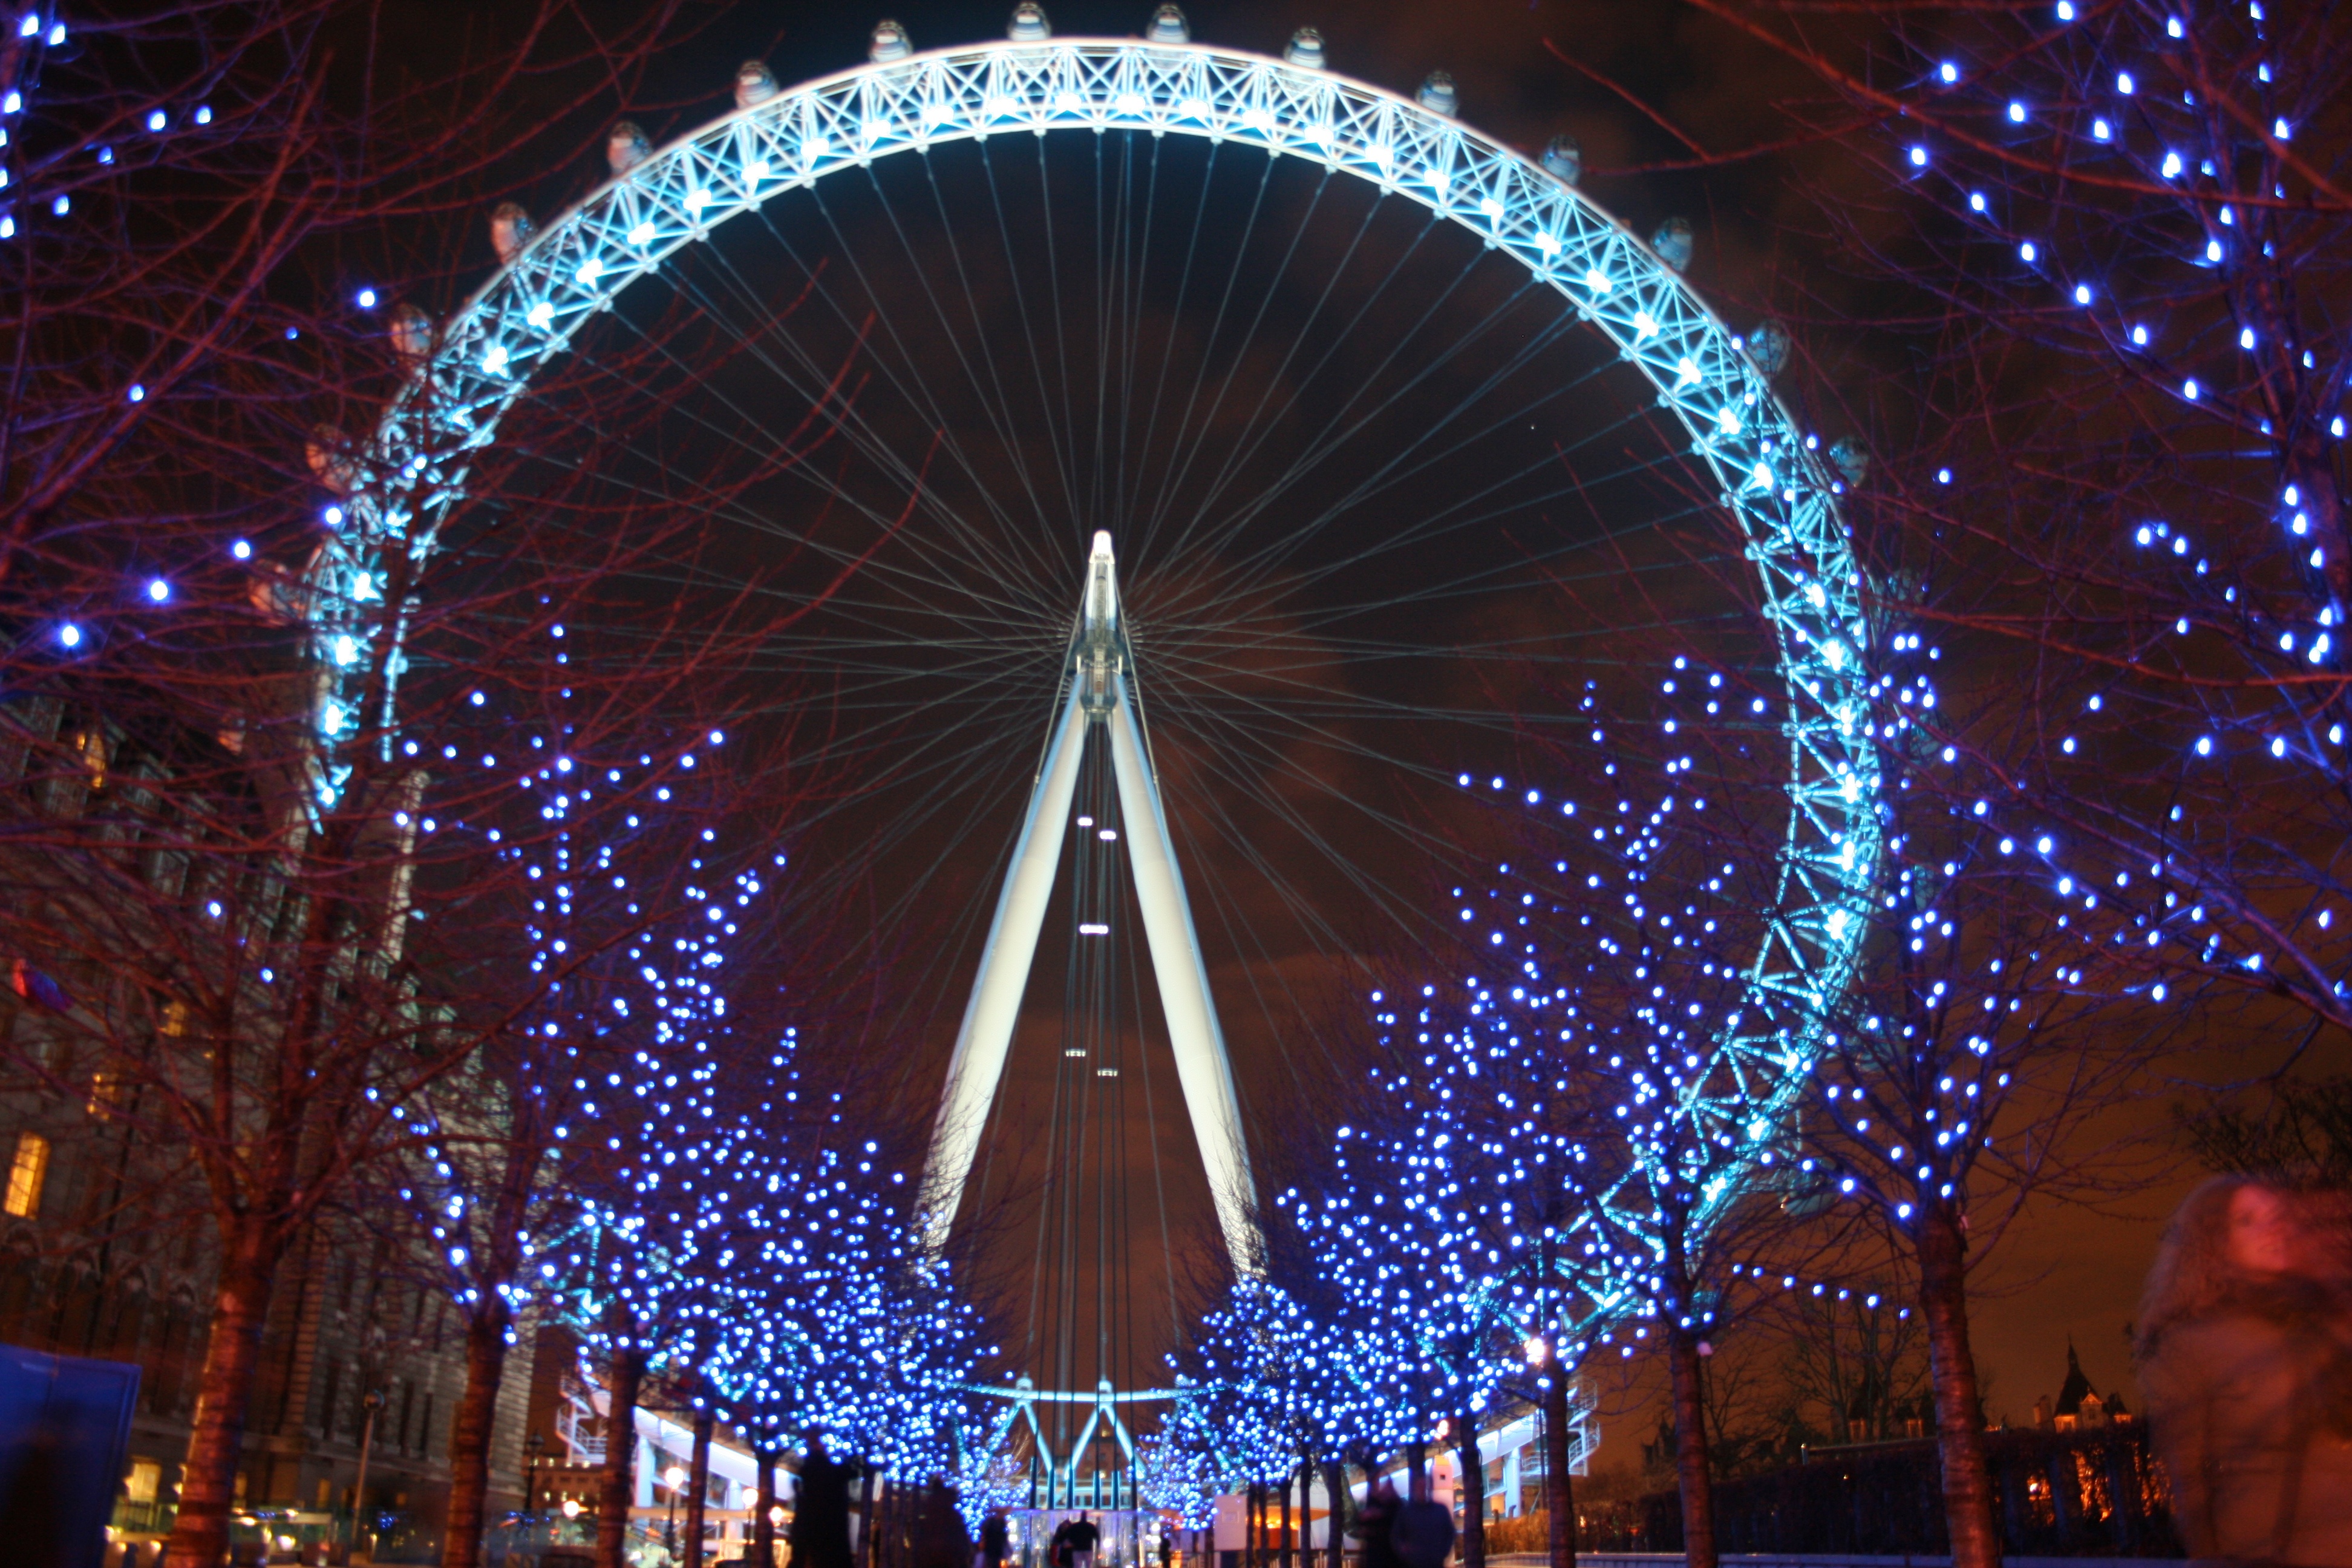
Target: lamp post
532, 1447
370, 1405
672, 1478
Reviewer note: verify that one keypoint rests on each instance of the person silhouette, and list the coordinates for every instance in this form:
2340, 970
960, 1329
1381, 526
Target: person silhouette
1375, 1522
819, 1533
2245, 1348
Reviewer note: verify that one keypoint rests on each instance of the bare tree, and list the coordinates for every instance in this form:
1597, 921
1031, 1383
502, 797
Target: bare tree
2098, 254
2304, 1134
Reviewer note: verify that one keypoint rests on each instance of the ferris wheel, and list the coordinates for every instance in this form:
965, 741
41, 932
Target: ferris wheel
1354, 402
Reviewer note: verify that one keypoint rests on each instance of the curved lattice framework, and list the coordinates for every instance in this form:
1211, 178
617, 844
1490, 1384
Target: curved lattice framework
1781, 497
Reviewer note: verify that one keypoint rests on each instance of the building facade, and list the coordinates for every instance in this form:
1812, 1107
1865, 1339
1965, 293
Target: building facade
107, 1246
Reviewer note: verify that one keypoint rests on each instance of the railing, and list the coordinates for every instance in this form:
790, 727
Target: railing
2098, 1493
1814, 1560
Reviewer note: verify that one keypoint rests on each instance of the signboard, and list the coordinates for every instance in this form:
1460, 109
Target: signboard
65, 1427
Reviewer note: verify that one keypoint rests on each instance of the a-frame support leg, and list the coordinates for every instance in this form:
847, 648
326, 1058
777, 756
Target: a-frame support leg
1201, 1066
986, 1033
1098, 691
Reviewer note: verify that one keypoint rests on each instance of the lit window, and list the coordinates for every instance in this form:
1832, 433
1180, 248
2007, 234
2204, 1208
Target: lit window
92, 745
32, 1163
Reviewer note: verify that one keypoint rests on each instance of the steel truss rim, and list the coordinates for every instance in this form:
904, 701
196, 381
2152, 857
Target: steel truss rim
1784, 499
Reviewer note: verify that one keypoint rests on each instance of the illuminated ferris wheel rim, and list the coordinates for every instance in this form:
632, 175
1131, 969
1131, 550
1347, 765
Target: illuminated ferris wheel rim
1784, 499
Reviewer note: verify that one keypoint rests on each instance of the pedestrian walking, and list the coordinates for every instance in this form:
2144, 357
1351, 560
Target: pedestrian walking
1376, 1521
2245, 1348
819, 1533
941, 1539
995, 1540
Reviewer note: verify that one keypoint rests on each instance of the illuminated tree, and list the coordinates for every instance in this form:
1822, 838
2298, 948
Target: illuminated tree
1183, 1467
791, 1289
1417, 1226
1275, 1386
1570, 1157
510, 1143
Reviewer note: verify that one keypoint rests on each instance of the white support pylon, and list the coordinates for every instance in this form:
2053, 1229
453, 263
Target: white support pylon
1098, 693
1185, 1000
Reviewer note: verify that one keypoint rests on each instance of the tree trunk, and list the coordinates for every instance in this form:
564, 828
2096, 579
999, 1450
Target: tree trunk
223, 1391
700, 1482
763, 1524
1960, 1412
469, 1435
1334, 1518
1286, 1552
1416, 1471
617, 1489
1691, 1468
865, 1530
1559, 1492
1473, 1489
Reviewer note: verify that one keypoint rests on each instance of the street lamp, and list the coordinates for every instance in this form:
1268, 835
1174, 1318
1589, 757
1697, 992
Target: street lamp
371, 1403
673, 1478
532, 1448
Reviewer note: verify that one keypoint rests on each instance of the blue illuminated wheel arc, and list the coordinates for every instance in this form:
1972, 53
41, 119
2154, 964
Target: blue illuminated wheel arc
1784, 502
